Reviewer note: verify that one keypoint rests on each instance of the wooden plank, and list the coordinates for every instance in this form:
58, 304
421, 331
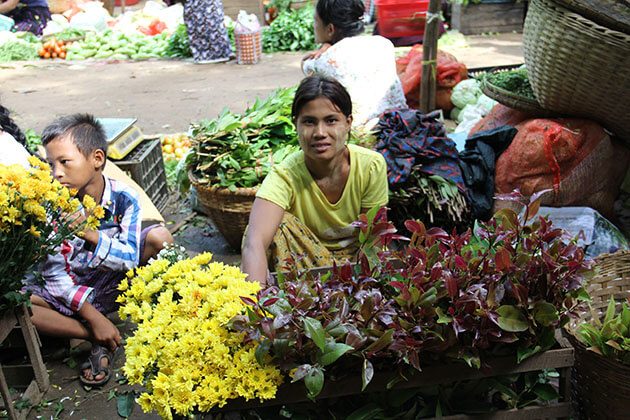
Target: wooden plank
32, 345
527, 413
431, 375
7, 322
6, 396
34, 394
485, 17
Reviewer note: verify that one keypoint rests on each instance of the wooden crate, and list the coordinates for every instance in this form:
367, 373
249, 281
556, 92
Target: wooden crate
474, 19
559, 359
33, 376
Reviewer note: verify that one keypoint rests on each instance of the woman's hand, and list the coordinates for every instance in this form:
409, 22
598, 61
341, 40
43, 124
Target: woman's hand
317, 53
264, 220
7, 6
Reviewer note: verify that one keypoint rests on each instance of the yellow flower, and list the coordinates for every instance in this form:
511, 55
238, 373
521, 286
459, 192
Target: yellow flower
33, 231
182, 350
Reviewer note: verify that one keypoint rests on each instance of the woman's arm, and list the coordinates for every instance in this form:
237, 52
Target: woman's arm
8, 5
263, 224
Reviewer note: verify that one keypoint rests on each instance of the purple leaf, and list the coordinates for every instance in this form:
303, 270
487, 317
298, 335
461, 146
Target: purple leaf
248, 301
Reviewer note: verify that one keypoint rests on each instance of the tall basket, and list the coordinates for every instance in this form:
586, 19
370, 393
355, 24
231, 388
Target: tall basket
229, 210
578, 67
600, 385
248, 47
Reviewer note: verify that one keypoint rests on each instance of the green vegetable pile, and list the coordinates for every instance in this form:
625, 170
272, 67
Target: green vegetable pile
178, 44
70, 34
515, 81
21, 47
609, 337
237, 151
118, 46
292, 30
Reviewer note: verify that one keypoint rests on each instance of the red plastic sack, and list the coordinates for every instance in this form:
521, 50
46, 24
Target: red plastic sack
574, 158
449, 73
499, 116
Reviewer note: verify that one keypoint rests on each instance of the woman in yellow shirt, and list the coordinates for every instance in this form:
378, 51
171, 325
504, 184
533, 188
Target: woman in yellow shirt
306, 205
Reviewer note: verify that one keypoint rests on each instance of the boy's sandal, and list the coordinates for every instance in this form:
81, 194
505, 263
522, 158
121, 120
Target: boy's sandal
93, 363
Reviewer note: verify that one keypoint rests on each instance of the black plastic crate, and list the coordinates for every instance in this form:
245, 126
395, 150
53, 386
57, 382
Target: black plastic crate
145, 165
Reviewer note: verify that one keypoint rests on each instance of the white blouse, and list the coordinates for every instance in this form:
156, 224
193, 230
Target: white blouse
366, 67
12, 151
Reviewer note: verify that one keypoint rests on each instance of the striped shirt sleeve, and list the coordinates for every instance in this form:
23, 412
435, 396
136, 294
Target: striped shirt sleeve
121, 251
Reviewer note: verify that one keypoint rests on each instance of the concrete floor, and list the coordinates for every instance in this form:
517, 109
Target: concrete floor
165, 96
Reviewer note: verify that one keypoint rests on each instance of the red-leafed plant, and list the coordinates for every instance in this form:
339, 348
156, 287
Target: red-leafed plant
502, 288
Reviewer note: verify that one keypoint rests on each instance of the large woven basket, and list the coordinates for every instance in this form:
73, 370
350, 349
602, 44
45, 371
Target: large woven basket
601, 386
229, 210
578, 67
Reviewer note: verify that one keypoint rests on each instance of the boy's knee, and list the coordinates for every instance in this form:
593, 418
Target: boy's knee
154, 242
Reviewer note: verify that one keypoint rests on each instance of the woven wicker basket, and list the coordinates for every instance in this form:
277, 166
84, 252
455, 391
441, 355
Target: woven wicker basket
229, 210
577, 67
601, 386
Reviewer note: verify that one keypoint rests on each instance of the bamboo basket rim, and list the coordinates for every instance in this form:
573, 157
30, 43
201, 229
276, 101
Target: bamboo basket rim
215, 189
513, 100
603, 14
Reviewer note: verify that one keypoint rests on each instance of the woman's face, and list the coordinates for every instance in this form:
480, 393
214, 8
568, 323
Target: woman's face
322, 129
323, 32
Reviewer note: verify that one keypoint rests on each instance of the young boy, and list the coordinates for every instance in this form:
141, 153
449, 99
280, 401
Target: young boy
81, 280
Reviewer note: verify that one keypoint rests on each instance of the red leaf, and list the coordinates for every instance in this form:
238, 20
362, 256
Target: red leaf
502, 259
460, 262
248, 301
451, 286
413, 226
270, 302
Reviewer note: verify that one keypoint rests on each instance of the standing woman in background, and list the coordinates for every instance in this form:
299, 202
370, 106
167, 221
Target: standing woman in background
29, 15
207, 33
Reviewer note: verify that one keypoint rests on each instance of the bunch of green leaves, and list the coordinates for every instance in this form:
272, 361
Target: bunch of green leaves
19, 50
292, 30
431, 198
502, 290
33, 141
515, 81
235, 150
609, 337
70, 34
178, 44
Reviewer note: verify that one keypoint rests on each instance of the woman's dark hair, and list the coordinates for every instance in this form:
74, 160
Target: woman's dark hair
7, 124
86, 132
314, 87
345, 15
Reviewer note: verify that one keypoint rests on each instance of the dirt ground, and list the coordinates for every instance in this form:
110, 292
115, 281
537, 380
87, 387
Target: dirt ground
165, 96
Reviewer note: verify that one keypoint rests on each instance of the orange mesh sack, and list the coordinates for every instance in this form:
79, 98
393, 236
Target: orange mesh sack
449, 73
574, 158
499, 116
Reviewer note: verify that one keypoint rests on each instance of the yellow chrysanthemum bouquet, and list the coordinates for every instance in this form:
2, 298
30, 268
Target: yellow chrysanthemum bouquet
184, 350
36, 214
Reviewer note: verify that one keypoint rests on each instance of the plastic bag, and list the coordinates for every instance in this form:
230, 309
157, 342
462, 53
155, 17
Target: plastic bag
246, 23
592, 231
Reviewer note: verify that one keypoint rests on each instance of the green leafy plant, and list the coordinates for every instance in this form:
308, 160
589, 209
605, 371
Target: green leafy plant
498, 290
178, 44
515, 81
292, 30
609, 337
235, 150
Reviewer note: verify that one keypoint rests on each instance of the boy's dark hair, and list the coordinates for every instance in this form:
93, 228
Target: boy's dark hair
345, 15
86, 132
314, 87
7, 124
